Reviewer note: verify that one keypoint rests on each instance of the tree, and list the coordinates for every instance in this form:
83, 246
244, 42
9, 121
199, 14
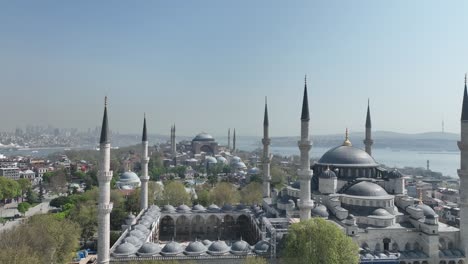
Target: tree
85, 214
225, 193
31, 196
25, 185
41, 191
278, 176
174, 193
317, 241
9, 188
23, 207
155, 192
132, 203
251, 193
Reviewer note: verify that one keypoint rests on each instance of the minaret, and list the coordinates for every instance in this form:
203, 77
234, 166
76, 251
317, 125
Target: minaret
144, 178
234, 142
104, 203
305, 173
173, 144
266, 154
463, 173
368, 140
229, 140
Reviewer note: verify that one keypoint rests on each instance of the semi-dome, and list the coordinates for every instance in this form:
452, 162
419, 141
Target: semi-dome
240, 248
320, 210
168, 208
427, 210
125, 249
171, 249
327, 174
129, 176
195, 248
183, 208
394, 174
380, 212
347, 155
366, 188
149, 249
203, 137
218, 248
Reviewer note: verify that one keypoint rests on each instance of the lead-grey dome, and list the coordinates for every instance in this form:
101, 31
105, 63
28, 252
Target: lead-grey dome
261, 247
198, 208
320, 210
365, 188
394, 174
203, 137
327, 174
183, 208
171, 249
133, 240
149, 249
207, 242
218, 248
125, 249
213, 208
129, 176
427, 210
347, 155
141, 228
138, 234
168, 208
240, 248
195, 248
227, 208
381, 212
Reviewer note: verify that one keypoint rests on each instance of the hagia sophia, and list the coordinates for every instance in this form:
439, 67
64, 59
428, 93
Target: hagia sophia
346, 186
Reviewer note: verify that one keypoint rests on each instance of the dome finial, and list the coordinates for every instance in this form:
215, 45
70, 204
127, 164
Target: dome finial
347, 142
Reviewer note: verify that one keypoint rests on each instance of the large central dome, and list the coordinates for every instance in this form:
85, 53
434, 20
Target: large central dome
347, 155
203, 137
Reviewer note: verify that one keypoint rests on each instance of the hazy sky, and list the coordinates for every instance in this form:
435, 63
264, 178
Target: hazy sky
207, 65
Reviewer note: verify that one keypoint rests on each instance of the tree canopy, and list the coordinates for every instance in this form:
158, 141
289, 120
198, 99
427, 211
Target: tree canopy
174, 193
251, 193
225, 193
317, 241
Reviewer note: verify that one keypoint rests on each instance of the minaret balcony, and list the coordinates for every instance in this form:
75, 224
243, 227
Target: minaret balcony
305, 174
105, 208
105, 176
266, 141
144, 178
368, 141
145, 159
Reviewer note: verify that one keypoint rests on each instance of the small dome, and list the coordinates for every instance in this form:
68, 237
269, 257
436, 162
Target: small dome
296, 185
241, 207
195, 248
133, 240
125, 249
239, 165
227, 208
235, 159
138, 234
171, 249
213, 208
211, 160
207, 242
218, 248
149, 249
394, 174
328, 174
129, 176
168, 208
222, 159
154, 208
183, 208
365, 188
240, 248
380, 212
203, 137
347, 155
261, 247
320, 210
145, 223
147, 218
198, 208
141, 228
254, 171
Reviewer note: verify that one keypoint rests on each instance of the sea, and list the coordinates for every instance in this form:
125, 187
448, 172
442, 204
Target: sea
445, 162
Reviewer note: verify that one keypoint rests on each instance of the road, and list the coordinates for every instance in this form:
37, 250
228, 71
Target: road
11, 209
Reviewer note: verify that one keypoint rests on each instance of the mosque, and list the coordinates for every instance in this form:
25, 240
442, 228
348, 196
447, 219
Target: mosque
346, 186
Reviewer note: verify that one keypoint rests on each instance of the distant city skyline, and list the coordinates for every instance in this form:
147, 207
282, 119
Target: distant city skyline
207, 66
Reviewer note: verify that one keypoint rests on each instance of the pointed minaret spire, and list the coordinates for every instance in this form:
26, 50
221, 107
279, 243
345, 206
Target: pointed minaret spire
368, 119
265, 116
266, 154
229, 140
144, 137
105, 127
464, 116
368, 139
305, 103
234, 142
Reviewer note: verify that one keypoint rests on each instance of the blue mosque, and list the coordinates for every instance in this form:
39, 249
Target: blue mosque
346, 186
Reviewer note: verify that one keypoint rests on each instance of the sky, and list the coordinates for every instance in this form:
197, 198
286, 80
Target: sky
207, 65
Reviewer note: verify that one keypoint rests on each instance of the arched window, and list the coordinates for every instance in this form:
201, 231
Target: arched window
377, 247
416, 246
386, 244
408, 246
442, 244
395, 247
